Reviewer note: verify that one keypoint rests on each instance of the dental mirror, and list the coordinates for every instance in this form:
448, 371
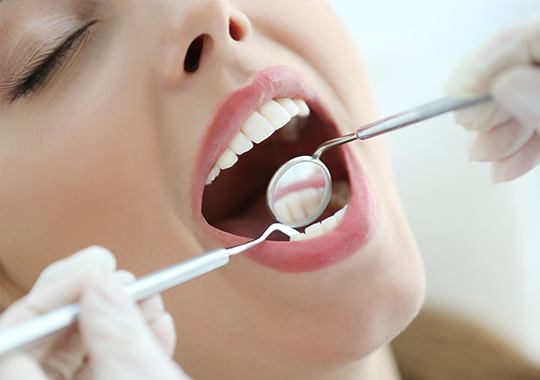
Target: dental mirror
300, 190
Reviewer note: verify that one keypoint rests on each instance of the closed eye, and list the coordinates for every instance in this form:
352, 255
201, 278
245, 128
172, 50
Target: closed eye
40, 71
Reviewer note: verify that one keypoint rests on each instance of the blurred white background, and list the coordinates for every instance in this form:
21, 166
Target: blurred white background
480, 243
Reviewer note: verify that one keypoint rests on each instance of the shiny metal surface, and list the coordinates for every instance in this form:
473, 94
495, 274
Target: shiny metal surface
28, 333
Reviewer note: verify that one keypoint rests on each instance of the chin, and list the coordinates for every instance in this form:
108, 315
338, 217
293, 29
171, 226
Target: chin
378, 293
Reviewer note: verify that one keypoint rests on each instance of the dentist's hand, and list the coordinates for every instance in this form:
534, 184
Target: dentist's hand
506, 131
115, 340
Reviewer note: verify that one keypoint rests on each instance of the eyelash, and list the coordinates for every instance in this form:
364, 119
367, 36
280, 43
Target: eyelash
44, 69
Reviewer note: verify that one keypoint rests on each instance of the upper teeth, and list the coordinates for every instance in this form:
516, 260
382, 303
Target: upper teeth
258, 127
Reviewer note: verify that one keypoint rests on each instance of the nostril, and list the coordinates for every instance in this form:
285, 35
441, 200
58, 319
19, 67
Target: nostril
194, 54
235, 30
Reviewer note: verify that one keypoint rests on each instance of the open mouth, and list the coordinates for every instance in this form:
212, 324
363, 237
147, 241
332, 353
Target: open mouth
254, 132
277, 131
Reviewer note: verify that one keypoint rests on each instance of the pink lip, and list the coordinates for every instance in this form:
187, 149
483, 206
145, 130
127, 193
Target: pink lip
357, 227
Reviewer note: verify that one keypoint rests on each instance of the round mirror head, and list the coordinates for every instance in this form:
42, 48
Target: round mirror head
299, 191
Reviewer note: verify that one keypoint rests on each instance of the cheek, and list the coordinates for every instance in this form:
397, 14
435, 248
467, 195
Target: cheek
69, 179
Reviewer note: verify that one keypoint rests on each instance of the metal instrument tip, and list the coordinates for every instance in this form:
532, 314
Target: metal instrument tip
284, 229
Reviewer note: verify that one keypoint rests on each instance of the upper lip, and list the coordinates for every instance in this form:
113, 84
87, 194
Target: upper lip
268, 84
271, 83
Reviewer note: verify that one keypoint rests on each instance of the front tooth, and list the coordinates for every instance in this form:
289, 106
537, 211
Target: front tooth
298, 237
314, 230
302, 106
241, 144
289, 105
257, 128
329, 224
275, 114
227, 159
213, 175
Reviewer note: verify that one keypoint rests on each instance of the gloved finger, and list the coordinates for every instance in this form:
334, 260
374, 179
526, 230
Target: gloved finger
519, 163
482, 117
21, 367
94, 258
518, 45
68, 356
165, 332
157, 318
518, 90
153, 310
47, 296
66, 359
500, 142
61, 363
119, 342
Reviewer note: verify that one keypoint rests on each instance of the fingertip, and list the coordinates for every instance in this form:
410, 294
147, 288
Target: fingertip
468, 117
152, 308
95, 255
164, 331
517, 89
124, 277
496, 177
519, 163
466, 80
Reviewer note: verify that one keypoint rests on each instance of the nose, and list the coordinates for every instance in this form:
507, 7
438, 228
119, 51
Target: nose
203, 27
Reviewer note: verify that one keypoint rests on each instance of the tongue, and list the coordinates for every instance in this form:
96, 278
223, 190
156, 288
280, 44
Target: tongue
250, 224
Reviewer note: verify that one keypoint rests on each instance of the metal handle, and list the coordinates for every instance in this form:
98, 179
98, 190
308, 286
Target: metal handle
29, 332
174, 275
417, 114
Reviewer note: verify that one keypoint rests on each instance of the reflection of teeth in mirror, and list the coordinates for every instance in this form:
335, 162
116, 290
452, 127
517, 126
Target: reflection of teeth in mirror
297, 205
260, 125
282, 212
294, 204
321, 228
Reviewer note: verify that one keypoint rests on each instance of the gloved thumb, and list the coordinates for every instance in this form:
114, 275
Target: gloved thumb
119, 343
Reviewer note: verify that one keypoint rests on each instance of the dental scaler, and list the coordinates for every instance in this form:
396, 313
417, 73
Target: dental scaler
27, 333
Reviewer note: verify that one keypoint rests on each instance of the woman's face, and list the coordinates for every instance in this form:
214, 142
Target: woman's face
113, 114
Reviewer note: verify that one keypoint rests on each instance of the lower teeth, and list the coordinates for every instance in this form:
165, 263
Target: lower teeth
321, 228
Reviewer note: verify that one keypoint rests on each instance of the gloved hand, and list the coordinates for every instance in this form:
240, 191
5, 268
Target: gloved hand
115, 339
506, 131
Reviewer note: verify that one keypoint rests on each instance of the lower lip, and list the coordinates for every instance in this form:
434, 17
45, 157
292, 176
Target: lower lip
350, 236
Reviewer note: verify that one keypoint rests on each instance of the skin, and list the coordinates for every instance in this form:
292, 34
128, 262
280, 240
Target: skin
103, 154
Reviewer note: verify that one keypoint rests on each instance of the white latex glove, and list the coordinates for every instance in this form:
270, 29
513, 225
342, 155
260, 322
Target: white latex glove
117, 339
507, 131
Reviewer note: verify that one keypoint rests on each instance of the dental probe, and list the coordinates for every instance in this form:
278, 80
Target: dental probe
312, 168
404, 119
29, 332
